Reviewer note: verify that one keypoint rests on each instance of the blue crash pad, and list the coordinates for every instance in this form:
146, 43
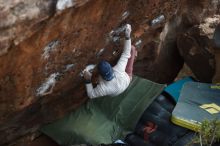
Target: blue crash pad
174, 89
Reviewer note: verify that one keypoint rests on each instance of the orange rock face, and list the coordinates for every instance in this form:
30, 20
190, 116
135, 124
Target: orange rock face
45, 45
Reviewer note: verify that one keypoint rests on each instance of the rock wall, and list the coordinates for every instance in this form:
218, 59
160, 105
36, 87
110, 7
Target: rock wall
44, 45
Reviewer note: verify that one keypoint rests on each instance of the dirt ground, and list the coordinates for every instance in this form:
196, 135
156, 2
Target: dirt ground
42, 140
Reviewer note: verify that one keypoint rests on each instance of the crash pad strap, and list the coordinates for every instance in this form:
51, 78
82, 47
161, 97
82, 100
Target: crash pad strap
106, 119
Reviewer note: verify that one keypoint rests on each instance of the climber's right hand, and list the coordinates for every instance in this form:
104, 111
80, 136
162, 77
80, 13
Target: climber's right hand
127, 31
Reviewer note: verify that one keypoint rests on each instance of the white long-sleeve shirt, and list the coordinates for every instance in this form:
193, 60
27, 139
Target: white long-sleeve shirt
120, 81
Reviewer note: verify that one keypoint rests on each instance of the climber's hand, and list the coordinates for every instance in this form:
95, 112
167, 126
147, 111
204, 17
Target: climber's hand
87, 75
127, 30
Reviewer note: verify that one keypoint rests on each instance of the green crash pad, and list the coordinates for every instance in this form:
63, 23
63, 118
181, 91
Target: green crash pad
105, 119
197, 102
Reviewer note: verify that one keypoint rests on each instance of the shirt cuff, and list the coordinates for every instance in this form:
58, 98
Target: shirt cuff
127, 38
87, 81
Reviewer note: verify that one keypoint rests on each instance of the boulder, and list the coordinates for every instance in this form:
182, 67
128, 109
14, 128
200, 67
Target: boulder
45, 44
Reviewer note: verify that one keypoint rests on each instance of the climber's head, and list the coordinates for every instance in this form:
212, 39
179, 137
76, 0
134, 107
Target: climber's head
105, 70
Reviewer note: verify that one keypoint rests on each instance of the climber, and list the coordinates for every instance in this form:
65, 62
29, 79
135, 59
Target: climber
113, 80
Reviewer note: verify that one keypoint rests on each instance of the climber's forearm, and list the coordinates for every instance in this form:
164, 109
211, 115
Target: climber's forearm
122, 62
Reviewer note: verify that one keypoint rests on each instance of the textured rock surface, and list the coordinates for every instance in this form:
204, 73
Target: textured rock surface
44, 45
